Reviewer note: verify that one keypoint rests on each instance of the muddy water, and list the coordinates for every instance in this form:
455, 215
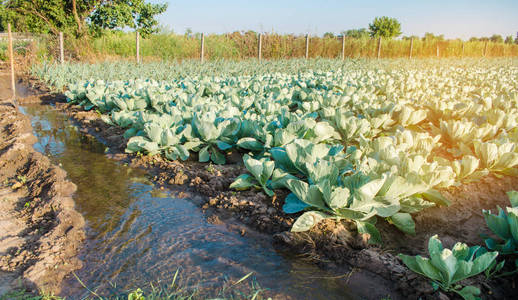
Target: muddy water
137, 233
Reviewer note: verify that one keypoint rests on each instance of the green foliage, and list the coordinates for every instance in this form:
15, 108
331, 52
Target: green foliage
261, 171
496, 38
136, 295
329, 35
20, 48
447, 267
385, 27
52, 16
360, 33
211, 135
26, 295
39, 16
139, 15
180, 288
504, 226
430, 37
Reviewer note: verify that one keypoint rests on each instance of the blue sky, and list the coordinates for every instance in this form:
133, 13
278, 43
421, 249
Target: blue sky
452, 18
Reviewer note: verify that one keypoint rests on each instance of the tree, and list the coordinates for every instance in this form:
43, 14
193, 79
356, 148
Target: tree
188, 33
77, 16
516, 39
39, 16
136, 14
496, 38
356, 33
430, 37
385, 27
509, 39
408, 38
329, 35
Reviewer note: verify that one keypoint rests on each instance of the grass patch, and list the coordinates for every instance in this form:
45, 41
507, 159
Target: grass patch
180, 288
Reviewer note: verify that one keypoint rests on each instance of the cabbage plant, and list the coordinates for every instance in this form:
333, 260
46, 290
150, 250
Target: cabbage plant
211, 135
261, 170
504, 226
446, 268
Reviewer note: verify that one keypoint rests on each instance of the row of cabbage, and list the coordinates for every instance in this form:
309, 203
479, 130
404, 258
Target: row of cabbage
60, 76
358, 143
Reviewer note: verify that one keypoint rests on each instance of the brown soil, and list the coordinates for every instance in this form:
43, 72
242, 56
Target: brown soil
40, 231
330, 244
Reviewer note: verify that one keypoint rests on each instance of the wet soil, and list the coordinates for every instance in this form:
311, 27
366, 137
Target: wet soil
40, 230
330, 245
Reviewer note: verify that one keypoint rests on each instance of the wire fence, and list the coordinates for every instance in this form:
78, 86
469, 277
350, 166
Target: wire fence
237, 46
28, 47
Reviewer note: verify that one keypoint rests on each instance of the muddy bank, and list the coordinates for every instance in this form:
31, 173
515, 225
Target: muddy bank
330, 245
40, 231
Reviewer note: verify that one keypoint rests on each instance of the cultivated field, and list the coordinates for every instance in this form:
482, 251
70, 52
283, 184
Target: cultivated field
375, 145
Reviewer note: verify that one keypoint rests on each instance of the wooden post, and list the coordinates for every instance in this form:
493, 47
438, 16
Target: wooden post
307, 46
137, 41
437, 49
485, 49
259, 46
202, 46
411, 47
462, 53
61, 50
343, 46
379, 47
11, 59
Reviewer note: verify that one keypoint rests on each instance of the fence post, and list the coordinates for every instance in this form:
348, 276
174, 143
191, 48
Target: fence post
137, 41
437, 49
307, 46
485, 49
202, 46
379, 47
11, 59
343, 46
259, 46
462, 53
411, 47
61, 50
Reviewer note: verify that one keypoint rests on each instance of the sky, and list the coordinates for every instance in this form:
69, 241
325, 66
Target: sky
453, 18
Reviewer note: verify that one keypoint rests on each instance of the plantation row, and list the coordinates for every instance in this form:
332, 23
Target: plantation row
61, 76
357, 143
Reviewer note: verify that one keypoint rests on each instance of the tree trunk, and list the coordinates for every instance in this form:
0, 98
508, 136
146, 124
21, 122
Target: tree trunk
76, 17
